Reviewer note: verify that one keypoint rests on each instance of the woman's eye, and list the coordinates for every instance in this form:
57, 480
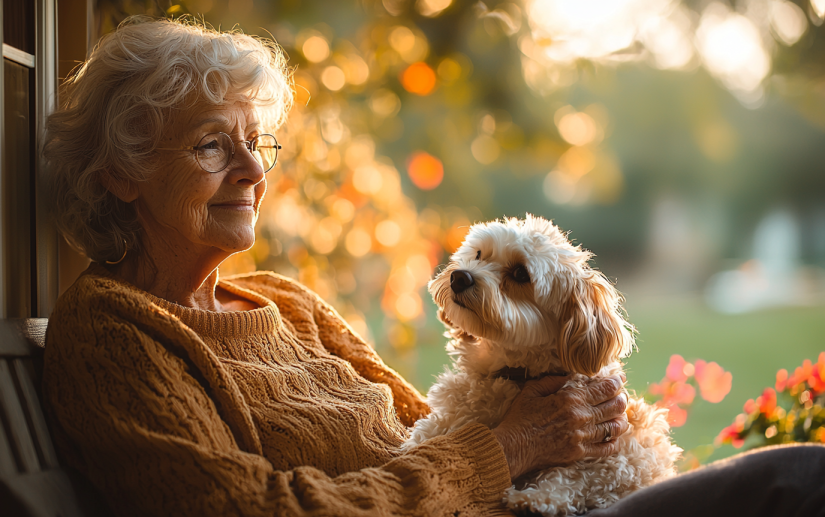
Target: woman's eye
210, 146
521, 275
478, 255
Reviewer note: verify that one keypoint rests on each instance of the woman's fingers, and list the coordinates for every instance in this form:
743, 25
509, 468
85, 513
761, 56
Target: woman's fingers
604, 389
601, 449
545, 386
611, 409
609, 430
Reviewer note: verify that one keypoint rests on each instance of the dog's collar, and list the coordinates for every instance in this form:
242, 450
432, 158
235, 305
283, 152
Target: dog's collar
520, 374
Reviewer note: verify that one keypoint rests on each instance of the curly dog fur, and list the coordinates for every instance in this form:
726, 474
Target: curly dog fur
517, 296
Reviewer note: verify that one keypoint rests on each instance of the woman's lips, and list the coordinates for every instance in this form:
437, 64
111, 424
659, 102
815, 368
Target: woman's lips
235, 205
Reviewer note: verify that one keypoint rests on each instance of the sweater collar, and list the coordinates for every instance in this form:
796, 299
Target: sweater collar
261, 321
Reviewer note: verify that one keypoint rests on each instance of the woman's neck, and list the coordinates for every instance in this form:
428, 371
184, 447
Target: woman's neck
178, 270
177, 281
174, 268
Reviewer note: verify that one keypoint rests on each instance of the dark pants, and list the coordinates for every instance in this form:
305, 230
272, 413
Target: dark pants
782, 481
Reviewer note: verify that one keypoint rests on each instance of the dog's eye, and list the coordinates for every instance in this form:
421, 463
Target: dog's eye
521, 275
478, 255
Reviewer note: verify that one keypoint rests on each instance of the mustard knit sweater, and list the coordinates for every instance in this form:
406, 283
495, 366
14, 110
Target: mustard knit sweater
281, 410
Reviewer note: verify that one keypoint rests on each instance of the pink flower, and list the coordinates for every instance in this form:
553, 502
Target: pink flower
680, 393
676, 416
750, 406
817, 379
655, 389
673, 392
678, 370
730, 435
714, 382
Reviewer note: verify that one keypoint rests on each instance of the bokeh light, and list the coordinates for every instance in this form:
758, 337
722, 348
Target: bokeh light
388, 233
315, 49
577, 128
818, 7
418, 78
485, 149
358, 242
732, 49
431, 8
385, 103
333, 78
425, 170
788, 21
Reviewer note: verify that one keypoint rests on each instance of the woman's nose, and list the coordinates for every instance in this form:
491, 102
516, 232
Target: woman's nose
245, 167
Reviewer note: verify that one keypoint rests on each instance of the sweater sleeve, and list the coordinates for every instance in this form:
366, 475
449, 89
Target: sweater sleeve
339, 338
138, 418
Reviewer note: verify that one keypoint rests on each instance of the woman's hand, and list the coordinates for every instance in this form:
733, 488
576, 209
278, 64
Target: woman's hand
548, 426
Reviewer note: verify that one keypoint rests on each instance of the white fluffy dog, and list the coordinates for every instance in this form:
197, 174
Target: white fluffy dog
520, 302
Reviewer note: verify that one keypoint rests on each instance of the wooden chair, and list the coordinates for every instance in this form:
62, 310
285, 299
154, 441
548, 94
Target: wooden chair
32, 482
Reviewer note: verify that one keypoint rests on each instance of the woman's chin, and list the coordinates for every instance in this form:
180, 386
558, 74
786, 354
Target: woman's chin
234, 240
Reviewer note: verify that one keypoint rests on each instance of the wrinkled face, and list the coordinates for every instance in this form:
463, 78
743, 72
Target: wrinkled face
507, 282
181, 203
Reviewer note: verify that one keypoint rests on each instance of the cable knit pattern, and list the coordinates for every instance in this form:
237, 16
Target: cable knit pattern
281, 410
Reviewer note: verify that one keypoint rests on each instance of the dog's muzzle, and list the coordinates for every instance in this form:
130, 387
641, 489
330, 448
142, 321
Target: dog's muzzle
461, 280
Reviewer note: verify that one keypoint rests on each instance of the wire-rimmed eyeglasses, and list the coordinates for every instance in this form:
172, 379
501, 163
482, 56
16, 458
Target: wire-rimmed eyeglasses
215, 151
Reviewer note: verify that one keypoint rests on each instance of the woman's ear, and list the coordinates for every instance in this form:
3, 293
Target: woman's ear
124, 189
592, 331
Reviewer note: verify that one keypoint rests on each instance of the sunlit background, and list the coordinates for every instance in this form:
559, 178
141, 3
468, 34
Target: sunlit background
682, 142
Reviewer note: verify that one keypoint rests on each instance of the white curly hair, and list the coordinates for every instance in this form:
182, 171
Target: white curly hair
114, 107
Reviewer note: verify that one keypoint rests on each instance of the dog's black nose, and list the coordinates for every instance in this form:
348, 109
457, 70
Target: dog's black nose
460, 280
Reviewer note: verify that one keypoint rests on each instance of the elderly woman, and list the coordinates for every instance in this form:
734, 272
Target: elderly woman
179, 393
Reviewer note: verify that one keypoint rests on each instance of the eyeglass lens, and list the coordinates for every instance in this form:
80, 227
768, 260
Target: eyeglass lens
215, 150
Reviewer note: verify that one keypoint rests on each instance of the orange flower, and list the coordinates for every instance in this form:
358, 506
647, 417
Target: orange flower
801, 374
817, 378
767, 402
816, 381
750, 406
678, 370
714, 382
781, 379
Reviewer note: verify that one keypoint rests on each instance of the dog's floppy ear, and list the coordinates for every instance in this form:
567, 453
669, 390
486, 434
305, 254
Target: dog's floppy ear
592, 331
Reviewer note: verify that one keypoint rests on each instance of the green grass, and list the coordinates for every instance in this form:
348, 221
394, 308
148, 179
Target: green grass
751, 346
